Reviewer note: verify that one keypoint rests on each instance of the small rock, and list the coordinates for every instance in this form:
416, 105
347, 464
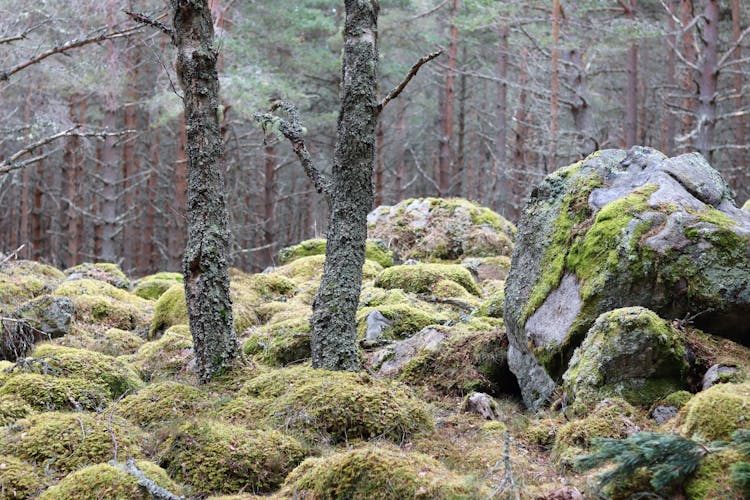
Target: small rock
390, 360
376, 323
717, 374
663, 413
48, 314
483, 405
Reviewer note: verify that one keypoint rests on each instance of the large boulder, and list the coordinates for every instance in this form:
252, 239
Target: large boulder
618, 229
433, 229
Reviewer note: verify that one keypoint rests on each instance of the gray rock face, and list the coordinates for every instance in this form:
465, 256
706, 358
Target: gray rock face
376, 323
622, 229
716, 374
390, 360
42, 318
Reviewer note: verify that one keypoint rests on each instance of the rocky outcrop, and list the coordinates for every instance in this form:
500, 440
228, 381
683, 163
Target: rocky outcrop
618, 229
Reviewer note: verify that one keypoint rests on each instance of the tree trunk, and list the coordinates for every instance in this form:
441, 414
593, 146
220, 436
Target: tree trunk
688, 47
446, 136
631, 94
268, 197
741, 127
668, 123
400, 161
110, 175
501, 176
205, 264
334, 333
583, 118
458, 171
709, 81
177, 232
380, 165
555, 101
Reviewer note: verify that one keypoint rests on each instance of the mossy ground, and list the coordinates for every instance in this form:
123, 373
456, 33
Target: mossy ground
422, 278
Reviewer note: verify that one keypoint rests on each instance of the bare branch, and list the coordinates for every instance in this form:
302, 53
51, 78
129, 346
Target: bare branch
412, 73
294, 131
24, 34
150, 485
142, 18
427, 13
734, 46
69, 45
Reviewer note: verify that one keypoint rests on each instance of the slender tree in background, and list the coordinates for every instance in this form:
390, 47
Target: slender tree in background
205, 262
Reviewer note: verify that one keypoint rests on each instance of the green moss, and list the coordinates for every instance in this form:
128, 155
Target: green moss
162, 402
306, 248
106, 481
151, 287
281, 342
116, 342
493, 305
101, 271
64, 442
335, 406
170, 309
266, 285
421, 278
677, 399
711, 480
375, 296
92, 366
379, 472
13, 408
714, 414
465, 362
22, 280
215, 457
17, 478
166, 357
406, 320
47, 392
100, 303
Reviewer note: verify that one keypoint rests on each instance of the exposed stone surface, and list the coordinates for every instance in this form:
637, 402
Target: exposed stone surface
390, 360
623, 229
718, 373
483, 405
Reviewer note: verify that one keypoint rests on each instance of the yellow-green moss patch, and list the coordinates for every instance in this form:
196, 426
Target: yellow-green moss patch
22, 280
117, 376
17, 478
170, 309
421, 278
64, 442
406, 319
378, 472
151, 287
105, 481
48, 392
162, 402
101, 271
166, 357
13, 408
492, 306
716, 413
375, 250
215, 457
712, 479
280, 343
101, 303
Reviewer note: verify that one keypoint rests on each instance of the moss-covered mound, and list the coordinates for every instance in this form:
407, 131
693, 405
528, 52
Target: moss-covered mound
464, 362
106, 481
152, 286
282, 342
92, 366
64, 442
22, 280
333, 406
716, 413
422, 278
712, 479
161, 402
375, 251
310, 269
100, 303
215, 457
49, 392
101, 271
492, 306
406, 319
378, 472
13, 408
170, 309
629, 353
441, 229
167, 357
17, 478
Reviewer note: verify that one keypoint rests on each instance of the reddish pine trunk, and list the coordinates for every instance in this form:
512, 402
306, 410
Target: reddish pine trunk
444, 159
555, 105
667, 120
688, 50
631, 94
380, 165
501, 176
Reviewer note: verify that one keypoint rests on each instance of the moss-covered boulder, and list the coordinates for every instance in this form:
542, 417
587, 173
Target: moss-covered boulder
22, 280
17, 478
379, 472
13, 408
170, 309
422, 278
434, 229
96, 367
279, 343
100, 303
375, 251
310, 269
216, 457
404, 320
714, 414
49, 392
330, 406
101, 271
712, 479
492, 306
64, 442
162, 402
629, 353
167, 357
152, 286
592, 234
108, 481
43, 318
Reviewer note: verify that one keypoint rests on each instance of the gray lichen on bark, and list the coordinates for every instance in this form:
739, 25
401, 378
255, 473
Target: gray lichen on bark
205, 265
333, 322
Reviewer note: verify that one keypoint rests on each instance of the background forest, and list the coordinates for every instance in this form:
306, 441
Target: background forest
522, 88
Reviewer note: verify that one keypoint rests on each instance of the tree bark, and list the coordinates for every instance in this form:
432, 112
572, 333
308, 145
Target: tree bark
668, 122
709, 80
688, 47
583, 117
501, 176
631, 94
269, 186
205, 264
555, 101
446, 135
741, 128
334, 333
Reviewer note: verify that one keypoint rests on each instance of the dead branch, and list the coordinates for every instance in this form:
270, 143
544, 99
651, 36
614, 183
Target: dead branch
412, 73
142, 18
23, 34
100, 36
150, 485
293, 130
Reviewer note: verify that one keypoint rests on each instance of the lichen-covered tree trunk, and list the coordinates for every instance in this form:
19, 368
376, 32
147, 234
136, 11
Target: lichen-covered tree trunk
204, 265
334, 335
